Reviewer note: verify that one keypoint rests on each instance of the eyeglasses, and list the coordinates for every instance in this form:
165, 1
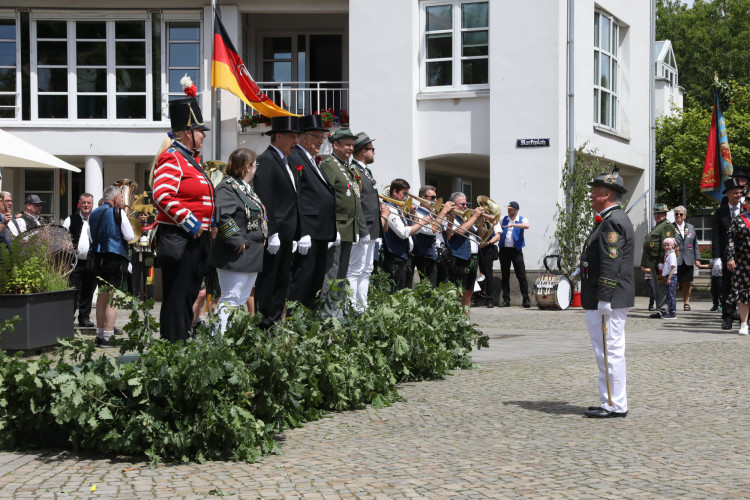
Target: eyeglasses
461, 204
679, 215
431, 197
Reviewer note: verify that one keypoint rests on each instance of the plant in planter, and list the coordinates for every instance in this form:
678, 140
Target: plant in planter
34, 286
576, 217
252, 121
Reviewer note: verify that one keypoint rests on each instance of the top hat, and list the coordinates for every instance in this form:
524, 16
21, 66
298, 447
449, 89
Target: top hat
284, 124
185, 114
311, 122
361, 141
341, 133
731, 183
660, 208
740, 172
610, 180
33, 199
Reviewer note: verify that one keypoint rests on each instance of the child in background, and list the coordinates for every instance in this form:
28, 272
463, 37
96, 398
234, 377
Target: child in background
651, 299
668, 271
716, 283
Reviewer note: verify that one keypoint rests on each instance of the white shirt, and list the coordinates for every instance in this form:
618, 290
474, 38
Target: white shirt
315, 163
509, 235
83, 243
396, 224
680, 228
288, 168
670, 261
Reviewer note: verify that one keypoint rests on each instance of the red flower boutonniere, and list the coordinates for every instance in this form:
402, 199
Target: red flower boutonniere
598, 218
299, 170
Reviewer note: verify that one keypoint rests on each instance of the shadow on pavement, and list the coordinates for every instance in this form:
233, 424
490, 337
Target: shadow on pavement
552, 407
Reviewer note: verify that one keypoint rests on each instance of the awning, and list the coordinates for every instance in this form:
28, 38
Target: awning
17, 153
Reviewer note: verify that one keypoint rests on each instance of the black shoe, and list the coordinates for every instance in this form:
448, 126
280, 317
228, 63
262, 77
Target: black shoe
651, 308
736, 316
490, 304
118, 331
727, 324
602, 413
103, 343
505, 303
85, 323
715, 307
656, 315
592, 408
526, 304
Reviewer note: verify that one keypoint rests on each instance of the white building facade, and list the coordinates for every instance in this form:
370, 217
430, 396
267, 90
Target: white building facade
450, 90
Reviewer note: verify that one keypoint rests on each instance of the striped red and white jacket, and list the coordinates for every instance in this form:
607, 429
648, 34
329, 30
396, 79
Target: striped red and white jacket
182, 194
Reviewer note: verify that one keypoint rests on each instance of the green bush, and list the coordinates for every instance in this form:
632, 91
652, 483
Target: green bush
224, 397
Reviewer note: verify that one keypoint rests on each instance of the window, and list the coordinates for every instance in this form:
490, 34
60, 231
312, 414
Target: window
91, 69
456, 45
8, 74
703, 226
606, 44
40, 182
183, 55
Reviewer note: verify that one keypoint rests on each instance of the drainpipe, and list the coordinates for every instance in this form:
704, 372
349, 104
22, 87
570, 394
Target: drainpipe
652, 118
571, 87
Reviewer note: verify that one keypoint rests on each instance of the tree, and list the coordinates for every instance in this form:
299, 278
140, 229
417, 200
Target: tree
708, 38
681, 142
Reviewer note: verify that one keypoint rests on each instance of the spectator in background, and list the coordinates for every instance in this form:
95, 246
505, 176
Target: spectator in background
6, 217
83, 278
738, 263
716, 282
689, 254
653, 255
511, 244
30, 218
669, 272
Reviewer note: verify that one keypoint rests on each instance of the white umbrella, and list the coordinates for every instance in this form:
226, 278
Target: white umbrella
17, 153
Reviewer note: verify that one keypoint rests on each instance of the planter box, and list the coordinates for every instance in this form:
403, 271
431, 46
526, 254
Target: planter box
44, 318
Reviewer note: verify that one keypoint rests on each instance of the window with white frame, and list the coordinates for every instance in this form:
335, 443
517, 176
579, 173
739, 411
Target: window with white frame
606, 69
91, 69
8, 65
455, 45
183, 54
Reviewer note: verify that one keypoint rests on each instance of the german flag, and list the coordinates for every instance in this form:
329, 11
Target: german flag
228, 72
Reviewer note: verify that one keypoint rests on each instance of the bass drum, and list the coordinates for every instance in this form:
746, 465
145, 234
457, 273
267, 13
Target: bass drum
553, 291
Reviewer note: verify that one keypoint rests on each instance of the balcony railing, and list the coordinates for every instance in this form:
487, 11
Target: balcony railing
304, 98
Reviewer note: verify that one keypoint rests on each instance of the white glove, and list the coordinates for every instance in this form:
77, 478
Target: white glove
304, 245
337, 242
294, 246
274, 243
604, 308
356, 239
379, 242
364, 240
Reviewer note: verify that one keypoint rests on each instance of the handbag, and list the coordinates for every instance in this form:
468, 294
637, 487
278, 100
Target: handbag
93, 254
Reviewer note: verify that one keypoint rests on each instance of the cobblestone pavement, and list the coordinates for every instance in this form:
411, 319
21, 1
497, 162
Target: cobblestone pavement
511, 428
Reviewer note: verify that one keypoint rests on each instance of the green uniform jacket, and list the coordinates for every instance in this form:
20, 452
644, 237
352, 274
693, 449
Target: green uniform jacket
607, 263
348, 206
653, 251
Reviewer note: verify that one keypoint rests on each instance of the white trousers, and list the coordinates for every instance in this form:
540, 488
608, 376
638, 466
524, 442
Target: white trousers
360, 268
615, 368
235, 290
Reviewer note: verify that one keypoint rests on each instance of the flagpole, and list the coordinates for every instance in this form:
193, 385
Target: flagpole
215, 92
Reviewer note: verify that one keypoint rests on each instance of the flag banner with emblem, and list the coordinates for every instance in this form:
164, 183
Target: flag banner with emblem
718, 164
229, 73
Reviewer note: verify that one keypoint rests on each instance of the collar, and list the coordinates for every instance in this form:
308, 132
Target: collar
281, 155
34, 217
609, 209
183, 148
84, 219
340, 160
738, 207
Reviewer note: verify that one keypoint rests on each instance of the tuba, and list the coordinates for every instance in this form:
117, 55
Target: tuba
128, 187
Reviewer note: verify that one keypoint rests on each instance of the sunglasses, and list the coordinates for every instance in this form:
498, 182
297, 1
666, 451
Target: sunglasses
431, 197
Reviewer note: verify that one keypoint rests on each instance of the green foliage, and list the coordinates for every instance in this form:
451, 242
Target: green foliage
224, 397
681, 142
709, 38
26, 267
576, 218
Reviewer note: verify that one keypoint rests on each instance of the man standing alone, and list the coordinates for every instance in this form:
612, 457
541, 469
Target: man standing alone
607, 292
82, 278
511, 252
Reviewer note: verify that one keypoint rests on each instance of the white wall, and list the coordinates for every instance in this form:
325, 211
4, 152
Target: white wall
383, 44
527, 101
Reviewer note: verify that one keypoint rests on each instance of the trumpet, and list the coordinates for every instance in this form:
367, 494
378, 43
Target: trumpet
429, 205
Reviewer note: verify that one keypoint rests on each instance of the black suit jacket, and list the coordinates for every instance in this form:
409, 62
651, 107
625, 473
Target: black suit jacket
720, 233
275, 189
370, 219
607, 263
316, 199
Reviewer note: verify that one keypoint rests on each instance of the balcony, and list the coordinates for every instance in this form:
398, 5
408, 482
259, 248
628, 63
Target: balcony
304, 98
